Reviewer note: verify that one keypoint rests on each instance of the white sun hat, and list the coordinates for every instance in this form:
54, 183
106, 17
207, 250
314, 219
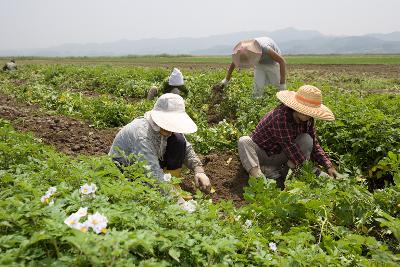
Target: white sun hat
246, 53
169, 114
307, 100
176, 78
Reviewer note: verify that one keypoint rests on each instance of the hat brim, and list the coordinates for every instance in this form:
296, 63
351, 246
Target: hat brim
252, 59
252, 52
322, 112
251, 45
176, 122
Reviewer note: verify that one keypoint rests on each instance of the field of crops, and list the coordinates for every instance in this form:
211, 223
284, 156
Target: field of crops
73, 112
198, 60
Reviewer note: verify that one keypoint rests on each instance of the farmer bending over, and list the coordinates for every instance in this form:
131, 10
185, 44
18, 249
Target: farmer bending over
174, 84
269, 66
10, 65
158, 137
286, 136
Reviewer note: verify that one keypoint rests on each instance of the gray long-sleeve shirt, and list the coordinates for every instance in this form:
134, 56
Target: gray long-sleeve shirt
138, 137
267, 43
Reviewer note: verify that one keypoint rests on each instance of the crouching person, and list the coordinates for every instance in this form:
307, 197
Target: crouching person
175, 84
11, 65
286, 136
159, 138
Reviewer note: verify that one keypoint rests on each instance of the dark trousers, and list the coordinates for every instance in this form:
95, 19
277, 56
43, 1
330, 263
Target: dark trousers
175, 152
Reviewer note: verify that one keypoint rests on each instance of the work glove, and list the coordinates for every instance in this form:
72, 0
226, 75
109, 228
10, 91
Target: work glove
201, 180
224, 82
282, 87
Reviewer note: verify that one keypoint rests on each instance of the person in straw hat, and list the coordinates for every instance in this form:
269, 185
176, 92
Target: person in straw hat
265, 56
159, 138
174, 84
286, 137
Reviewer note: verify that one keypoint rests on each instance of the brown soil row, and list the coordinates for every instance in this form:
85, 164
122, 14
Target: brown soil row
75, 137
67, 135
384, 70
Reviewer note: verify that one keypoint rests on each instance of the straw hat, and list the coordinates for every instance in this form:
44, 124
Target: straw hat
169, 113
176, 78
307, 100
246, 53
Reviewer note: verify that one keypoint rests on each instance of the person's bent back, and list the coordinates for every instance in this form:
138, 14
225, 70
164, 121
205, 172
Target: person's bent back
10, 66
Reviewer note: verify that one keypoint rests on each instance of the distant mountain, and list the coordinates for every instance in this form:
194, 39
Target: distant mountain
290, 40
341, 45
393, 36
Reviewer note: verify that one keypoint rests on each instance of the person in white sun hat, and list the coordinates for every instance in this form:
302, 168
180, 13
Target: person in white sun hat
264, 55
159, 138
174, 84
286, 137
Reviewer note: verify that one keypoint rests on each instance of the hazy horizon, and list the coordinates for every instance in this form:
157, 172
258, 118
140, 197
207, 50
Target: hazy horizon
46, 23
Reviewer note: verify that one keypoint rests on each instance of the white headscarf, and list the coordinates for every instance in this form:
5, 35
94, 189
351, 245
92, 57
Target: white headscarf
176, 78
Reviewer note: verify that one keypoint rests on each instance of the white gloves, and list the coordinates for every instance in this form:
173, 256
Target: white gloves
282, 87
201, 179
167, 177
224, 82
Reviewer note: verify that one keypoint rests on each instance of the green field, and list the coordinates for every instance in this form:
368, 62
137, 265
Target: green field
187, 59
315, 221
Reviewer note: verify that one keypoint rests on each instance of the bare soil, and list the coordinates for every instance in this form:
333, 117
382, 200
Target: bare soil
67, 135
383, 70
227, 176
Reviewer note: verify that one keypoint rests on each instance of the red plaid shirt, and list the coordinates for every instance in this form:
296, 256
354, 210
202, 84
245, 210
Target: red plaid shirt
278, 130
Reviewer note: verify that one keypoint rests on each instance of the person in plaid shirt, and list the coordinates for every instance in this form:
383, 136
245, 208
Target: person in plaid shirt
286, 136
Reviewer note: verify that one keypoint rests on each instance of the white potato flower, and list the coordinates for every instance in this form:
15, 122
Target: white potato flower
97, 222
72, 220
248, 223
46, 198
272, 246
82, 212
189, 206
83, 227
52, 190
87, 189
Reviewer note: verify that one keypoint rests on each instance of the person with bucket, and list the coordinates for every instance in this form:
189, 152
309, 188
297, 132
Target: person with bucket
159, 138
265, 56
286, 137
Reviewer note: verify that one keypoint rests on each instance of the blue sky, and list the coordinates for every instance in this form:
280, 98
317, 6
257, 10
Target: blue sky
44, 23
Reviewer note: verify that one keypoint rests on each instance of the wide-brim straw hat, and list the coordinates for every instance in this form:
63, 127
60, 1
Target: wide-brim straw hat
307, 100
246, 53
169, 114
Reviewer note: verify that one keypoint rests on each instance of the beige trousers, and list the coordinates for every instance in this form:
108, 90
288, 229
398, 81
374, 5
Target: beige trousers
251, 155
265, 74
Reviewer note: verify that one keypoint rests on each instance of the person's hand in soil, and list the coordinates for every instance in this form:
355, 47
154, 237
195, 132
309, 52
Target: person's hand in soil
333, 173
217, 89
224, 83
201, 180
